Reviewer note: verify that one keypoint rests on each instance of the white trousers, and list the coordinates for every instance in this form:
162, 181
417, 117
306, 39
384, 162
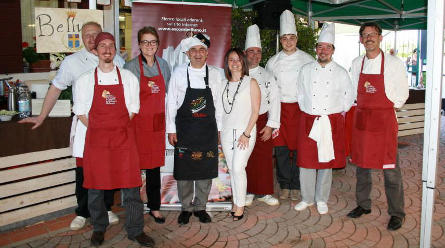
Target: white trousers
237, 161
315, 184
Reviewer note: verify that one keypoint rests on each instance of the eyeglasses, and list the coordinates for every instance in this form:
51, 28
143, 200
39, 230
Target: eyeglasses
253, 52
148, 42
373, 34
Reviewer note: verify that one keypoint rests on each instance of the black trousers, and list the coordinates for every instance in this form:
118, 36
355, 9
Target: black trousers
153, 188
82, 196
134, 211
288, 173
393, 189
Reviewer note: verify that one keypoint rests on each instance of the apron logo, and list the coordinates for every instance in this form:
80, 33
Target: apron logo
370, 88
210, 154
196, 155
198, 105
154, 88
109, 99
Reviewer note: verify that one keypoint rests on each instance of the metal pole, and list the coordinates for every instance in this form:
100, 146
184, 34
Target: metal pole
309, 14
116, 24
432, 116
92, 4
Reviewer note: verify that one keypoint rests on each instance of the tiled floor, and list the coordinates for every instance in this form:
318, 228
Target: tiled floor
279, 226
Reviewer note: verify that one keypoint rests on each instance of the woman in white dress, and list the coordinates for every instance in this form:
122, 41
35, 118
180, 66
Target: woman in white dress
240, 98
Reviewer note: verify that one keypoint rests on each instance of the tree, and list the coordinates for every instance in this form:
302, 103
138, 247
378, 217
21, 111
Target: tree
241, 19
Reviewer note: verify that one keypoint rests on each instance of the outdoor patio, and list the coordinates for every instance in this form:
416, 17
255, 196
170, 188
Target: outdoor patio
279, 226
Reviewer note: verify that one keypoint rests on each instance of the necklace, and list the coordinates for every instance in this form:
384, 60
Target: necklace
226, 89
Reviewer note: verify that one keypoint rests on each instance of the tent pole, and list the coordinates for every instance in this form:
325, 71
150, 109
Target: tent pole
92, 4
309, 14
395, 42
432, 116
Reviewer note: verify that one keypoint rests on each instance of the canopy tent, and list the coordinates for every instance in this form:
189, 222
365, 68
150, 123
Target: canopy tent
390, 14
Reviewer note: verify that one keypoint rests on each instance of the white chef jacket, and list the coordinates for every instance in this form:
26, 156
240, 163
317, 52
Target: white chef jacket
324, 90
270, 95
178, 86
285, 69
396, 80
72, 67
83, 98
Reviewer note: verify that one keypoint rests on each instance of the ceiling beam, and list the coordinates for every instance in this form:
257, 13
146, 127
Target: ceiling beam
340, 7
333, 18
390, 6
252, 3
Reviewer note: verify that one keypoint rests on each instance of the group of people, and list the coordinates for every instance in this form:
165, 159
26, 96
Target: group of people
295, 109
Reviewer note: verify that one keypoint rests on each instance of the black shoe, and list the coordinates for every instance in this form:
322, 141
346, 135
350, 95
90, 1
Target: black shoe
144, 240
237, 218
395, 223
203, 216
358, 211
97, 238
184, 217
160, 220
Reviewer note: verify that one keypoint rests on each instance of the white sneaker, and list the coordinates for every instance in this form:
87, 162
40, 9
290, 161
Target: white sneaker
112, 218
78, 223
322, 207
249, 199
269, 200
302, 206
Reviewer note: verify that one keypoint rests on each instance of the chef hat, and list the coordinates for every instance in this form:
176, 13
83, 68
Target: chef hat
287, 23
327, 33
253, 37
103, 36
197, 40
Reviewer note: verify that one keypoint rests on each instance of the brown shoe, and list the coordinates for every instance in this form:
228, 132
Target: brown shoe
284, 194
294, 194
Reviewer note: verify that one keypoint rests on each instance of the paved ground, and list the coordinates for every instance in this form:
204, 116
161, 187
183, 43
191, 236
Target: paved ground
279, 226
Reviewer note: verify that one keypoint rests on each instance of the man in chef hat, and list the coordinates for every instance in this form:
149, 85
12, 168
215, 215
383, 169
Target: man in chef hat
324, 93
285, 67
192, 131
260, 166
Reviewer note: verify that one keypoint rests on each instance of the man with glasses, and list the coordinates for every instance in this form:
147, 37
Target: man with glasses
70, 70
381, 85
260, 166
285, 67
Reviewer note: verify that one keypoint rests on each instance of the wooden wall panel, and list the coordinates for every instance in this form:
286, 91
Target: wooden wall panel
11, 37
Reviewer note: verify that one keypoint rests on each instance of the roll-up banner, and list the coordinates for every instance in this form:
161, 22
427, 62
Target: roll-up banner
174, 20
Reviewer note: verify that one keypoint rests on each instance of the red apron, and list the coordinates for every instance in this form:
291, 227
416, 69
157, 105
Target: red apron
150, 122
308, 146
260, 165
374, 131
289, 125
349, 118
110, 159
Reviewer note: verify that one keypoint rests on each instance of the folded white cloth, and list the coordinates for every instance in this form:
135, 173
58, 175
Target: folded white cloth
321, 133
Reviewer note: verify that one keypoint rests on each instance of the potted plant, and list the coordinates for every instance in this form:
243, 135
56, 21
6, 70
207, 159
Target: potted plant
38, 62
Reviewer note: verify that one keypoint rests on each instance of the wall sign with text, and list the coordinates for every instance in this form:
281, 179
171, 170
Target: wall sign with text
59, 30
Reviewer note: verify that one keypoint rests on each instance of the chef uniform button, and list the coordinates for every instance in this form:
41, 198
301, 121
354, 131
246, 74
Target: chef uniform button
326, 96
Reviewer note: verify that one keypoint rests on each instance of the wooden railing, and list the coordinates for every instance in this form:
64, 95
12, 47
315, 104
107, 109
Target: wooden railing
411, 119
42, 183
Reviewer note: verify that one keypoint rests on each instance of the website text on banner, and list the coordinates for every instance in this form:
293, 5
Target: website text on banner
174, 20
